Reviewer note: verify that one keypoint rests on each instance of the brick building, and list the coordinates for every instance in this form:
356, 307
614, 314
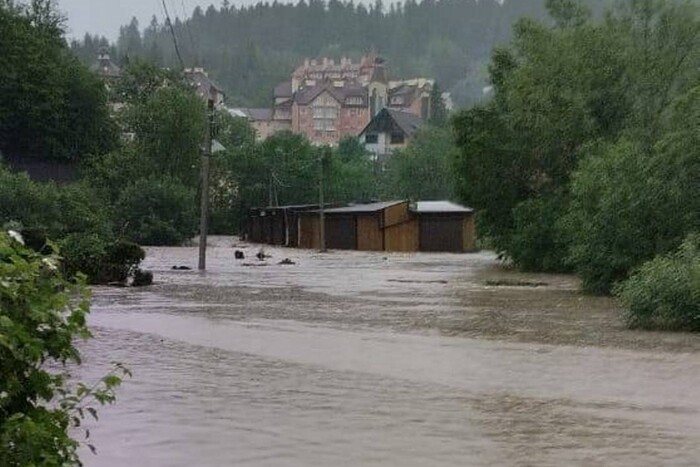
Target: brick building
327, 100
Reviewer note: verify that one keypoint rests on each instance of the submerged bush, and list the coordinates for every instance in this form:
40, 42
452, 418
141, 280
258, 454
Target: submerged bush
664, 293
102, 261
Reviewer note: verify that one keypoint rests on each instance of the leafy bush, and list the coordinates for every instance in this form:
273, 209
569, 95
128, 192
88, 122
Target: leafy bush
665, 292
102, 261
41, 315
25, 201
49, 210
537, 243
157, 212
629, 205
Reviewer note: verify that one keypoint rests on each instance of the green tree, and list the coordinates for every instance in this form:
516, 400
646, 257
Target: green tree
438, 111
558, 92
422, 170
51, 106
350, 174
629, 205
156, 211
169, 130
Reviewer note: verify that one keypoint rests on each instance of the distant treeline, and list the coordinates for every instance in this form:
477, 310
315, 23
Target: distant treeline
249, 50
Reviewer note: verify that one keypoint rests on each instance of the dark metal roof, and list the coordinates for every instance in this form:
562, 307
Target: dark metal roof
389, 119
364, 208
408, 122
436, 207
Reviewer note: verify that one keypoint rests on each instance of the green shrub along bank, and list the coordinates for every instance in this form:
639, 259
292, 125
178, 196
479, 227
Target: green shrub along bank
76, 218
41, 317
587, 158
664, 293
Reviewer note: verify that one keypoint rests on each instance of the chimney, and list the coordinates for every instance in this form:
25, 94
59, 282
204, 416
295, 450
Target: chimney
306, 63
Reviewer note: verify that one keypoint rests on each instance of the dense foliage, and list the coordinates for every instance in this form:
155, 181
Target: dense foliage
155, 211
587, 156
422, 170
43, 86
250, 49
665, 292
286, 169
48, 209
41, 315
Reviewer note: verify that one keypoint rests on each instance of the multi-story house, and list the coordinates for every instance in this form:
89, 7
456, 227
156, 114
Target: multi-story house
328, 100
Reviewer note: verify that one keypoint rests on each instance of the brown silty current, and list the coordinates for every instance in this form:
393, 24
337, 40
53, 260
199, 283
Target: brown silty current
376, 359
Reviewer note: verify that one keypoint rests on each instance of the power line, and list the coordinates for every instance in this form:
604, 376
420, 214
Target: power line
172, 33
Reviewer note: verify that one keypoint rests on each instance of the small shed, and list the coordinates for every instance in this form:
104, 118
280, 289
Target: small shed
277, 225
357, 227
387, 226
445, 226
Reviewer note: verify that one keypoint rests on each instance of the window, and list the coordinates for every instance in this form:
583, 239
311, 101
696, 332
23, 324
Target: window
397, 138
371, 138
398, 100
354, 101
325, 113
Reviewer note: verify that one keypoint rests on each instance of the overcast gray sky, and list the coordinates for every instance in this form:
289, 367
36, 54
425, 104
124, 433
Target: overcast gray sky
105, 16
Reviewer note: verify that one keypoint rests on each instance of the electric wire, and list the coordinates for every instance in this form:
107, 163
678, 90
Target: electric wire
172, 33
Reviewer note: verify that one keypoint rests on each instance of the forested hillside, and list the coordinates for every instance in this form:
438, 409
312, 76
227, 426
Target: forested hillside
248, 50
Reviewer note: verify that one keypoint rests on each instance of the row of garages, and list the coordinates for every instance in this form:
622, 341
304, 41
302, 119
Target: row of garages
388, 226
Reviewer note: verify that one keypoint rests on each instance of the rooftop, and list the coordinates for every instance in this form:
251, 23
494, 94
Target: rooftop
363, 208
426, 207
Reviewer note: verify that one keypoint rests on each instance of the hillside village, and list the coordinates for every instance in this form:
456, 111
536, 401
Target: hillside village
327, 100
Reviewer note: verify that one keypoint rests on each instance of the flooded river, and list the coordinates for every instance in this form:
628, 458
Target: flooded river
374, 359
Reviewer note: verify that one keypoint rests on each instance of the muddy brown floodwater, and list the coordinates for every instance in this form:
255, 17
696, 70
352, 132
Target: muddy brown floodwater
374, 359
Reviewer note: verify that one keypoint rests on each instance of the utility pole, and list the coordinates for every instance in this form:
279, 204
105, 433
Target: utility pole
204, 197
321, 202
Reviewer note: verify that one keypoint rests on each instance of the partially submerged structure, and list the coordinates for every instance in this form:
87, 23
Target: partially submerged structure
276, 225
386, 226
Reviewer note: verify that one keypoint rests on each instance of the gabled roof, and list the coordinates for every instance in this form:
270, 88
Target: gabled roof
307, 95
407, 121
429, 207
259, 114
253, 114
105, 67
204, 85
387, 119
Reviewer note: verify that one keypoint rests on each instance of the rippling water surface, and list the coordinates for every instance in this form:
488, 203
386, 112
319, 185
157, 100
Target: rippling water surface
376, 359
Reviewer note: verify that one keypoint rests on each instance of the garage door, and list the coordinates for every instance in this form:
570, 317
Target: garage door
441, 233
340, 233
